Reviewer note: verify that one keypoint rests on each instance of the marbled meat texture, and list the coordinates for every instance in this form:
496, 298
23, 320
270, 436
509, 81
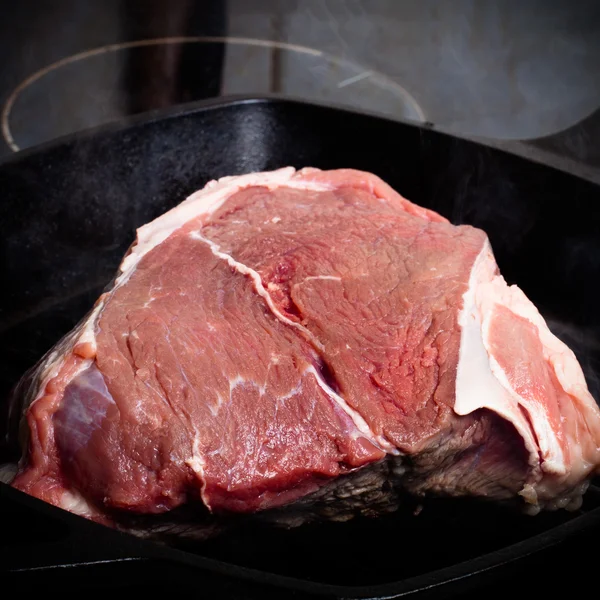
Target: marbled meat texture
279, 330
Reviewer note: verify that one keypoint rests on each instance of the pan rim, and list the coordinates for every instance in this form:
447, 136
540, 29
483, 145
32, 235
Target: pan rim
452, 574
512, 147
447, 575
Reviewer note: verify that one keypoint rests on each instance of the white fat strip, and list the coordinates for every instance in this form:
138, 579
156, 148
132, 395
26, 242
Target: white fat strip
216, 407
481, 382
549, 446
197, 463
204, 203
293, 392
258, 286
74, 502
476, 385
323, 278
88, 334
357, 419
237, 381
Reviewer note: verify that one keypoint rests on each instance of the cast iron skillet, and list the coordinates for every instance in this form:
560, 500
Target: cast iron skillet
68, 212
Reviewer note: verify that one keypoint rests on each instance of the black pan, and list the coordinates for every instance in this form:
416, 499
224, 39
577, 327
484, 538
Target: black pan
68, 212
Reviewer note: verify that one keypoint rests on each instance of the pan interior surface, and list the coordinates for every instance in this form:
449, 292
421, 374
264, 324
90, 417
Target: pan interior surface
70, 210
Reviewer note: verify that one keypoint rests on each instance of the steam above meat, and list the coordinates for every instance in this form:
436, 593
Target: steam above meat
279, 332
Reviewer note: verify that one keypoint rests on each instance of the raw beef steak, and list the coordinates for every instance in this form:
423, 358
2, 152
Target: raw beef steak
277, 332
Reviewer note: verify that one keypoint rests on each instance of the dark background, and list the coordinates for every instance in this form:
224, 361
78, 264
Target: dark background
509, 71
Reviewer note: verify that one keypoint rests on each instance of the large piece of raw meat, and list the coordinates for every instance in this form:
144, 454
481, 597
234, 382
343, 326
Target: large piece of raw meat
306, 335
